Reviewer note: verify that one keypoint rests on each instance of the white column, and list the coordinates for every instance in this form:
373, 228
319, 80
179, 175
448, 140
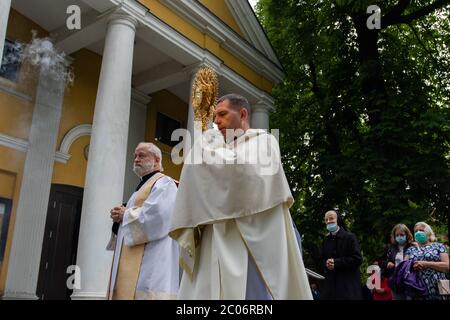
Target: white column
107, 157
5, 7
136, 134
260, 116
29, 227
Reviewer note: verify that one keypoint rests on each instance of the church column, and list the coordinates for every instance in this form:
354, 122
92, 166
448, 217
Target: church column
5, 7
136, 134
107, 158
260, 115
29, 227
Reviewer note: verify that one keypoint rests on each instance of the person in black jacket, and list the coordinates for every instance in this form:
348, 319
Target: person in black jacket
341, 259
401, 239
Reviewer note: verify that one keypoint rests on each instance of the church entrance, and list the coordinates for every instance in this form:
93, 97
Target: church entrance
59, 248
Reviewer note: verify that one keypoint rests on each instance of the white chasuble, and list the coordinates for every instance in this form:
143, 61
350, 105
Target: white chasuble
232, 222
149, 224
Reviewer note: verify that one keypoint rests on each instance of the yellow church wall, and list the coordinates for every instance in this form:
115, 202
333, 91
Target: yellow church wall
245, 71
170, 105
15, 116
79, 99
172, 19
74, 171
20, 28
16, 113
205, 41
78, 109
267, 85
7, 185
213, 46
220, 9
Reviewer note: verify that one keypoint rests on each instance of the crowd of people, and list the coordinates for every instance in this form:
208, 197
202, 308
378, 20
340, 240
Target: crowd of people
225, 232
413, 266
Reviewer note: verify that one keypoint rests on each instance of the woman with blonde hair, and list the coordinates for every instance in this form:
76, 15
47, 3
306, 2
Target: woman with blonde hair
401, 239
431, 259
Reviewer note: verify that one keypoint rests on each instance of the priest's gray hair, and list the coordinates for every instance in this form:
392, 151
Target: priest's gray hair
428, 230
156, 152
236, 101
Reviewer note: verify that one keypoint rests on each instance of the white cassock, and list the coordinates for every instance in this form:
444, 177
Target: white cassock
159, 272
233, 225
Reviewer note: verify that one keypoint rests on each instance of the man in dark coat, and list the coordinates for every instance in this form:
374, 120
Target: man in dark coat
341, 259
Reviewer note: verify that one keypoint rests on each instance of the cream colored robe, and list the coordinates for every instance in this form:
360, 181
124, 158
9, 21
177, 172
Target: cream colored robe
227, 214
159, 272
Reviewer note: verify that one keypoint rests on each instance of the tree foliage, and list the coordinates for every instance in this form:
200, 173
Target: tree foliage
363, 113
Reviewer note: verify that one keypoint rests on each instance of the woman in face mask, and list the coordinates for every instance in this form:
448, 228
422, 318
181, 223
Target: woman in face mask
401, 239
431, 260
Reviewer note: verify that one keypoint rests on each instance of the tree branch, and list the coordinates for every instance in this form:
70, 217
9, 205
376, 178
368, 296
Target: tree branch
397, 18
423, 45
433, 58
426, 29
396, 11
315, 86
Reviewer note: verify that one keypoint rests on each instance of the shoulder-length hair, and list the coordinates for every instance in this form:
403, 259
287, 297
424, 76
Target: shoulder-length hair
405, 229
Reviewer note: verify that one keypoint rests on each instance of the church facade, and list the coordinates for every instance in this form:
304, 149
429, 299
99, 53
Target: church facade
66, 150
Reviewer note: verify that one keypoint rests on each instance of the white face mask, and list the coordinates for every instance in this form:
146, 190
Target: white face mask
332, 227
401, 240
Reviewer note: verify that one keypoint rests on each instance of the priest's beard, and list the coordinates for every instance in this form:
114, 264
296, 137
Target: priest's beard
144, 168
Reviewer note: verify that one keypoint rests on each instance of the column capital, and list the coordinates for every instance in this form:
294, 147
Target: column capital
263, 104
122, 18
140, 97
215, 64
262, 107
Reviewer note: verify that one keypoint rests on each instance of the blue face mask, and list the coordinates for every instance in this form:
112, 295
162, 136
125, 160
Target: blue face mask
420, 236
400, 239
332, 227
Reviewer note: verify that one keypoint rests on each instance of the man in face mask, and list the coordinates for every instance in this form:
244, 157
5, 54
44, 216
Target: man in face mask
341, 259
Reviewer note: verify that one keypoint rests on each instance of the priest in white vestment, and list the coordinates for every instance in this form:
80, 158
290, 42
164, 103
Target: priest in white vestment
145, 264
231, 216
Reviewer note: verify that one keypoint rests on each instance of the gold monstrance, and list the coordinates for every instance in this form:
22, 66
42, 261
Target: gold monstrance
204, 95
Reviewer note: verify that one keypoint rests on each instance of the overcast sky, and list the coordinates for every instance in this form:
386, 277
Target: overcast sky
253, 2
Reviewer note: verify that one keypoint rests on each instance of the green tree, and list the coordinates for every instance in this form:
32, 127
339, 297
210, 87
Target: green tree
363, 113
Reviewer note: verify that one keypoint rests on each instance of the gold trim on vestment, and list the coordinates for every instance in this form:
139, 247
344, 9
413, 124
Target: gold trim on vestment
130, 258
